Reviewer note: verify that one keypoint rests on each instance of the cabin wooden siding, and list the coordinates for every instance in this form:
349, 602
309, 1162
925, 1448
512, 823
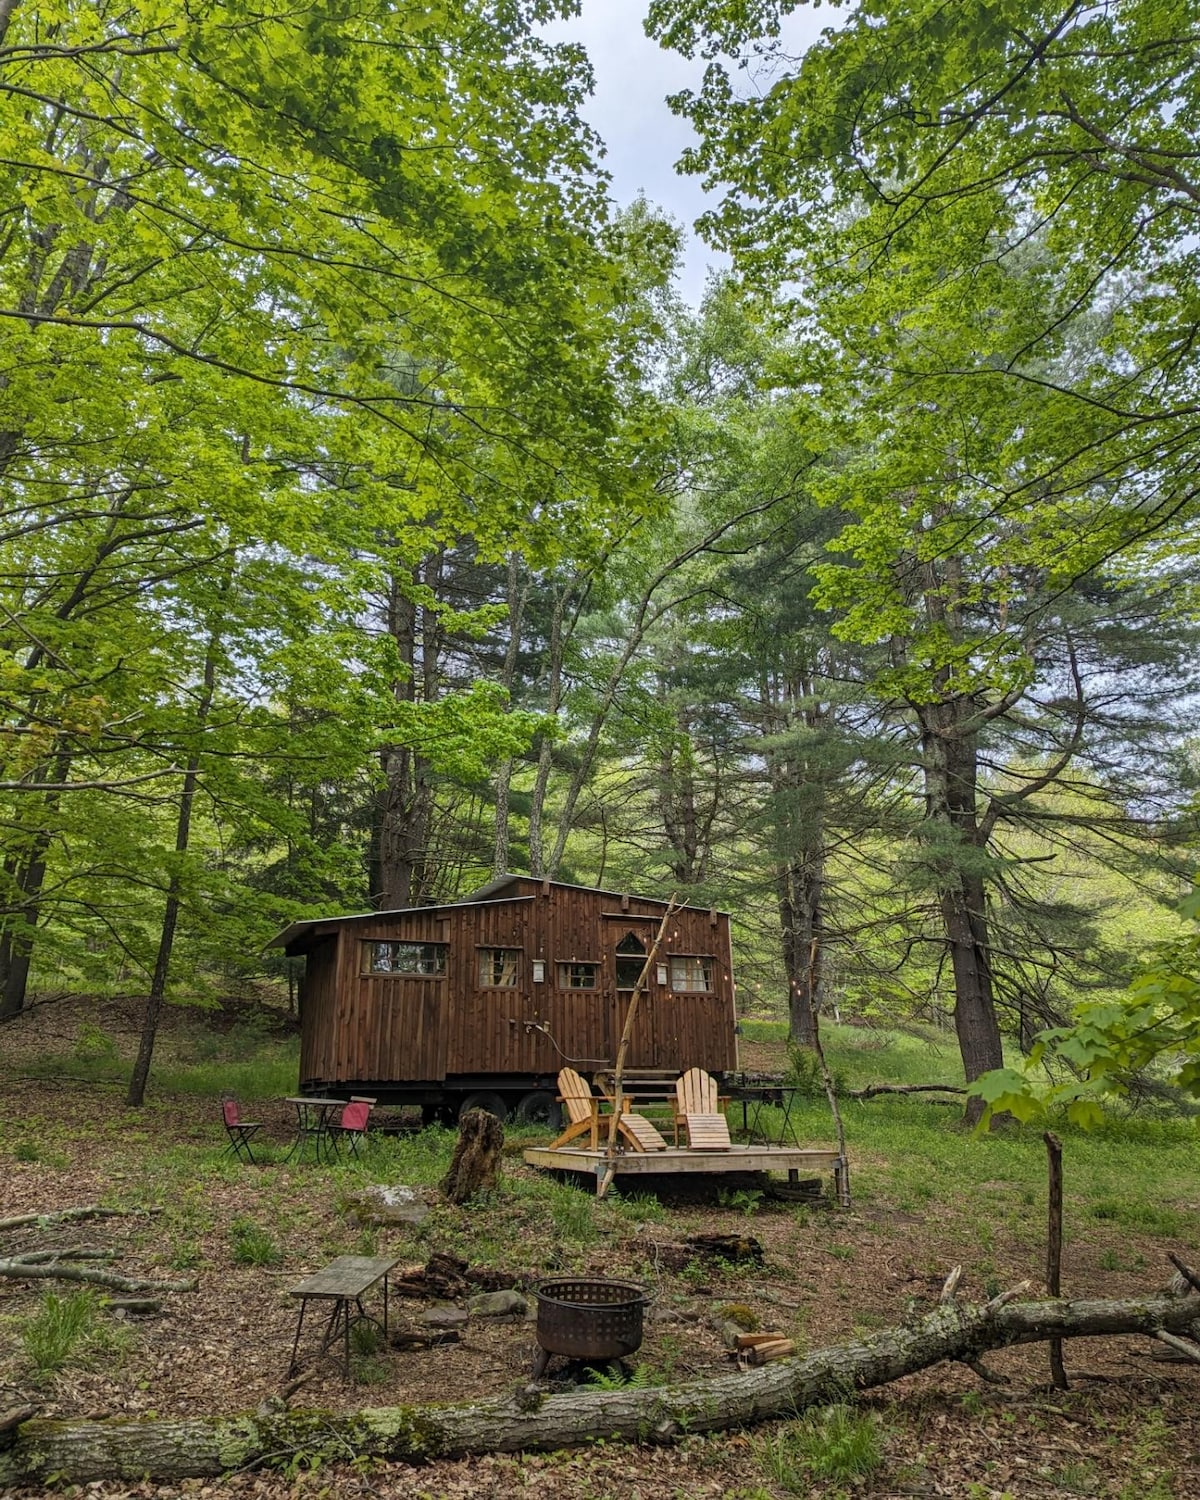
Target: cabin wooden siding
318, 1004
360, 1027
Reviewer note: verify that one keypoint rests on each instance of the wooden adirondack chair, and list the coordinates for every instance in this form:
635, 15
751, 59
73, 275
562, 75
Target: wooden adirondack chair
697, 1109
584, 1115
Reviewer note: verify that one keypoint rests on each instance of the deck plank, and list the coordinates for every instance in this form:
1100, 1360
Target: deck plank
737, 1158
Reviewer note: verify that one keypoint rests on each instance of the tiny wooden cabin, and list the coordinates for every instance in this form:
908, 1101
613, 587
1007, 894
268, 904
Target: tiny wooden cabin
497, 991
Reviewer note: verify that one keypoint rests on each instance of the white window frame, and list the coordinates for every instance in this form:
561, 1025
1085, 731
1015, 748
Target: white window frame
684, 982
487, 955
430, 953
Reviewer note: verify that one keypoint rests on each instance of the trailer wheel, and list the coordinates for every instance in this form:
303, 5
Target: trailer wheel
486, 1100
541, 1107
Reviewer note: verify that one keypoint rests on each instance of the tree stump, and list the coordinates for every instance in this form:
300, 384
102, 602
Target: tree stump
475, 1165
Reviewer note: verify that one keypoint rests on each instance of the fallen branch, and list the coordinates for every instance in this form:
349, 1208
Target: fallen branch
904, 1088
78, 1452
1186, 1272
29, 1270
48, 1257
1183, 1347
67, 1215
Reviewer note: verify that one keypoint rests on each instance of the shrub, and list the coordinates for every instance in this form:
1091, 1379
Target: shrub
836, 1444
58, 1328
252, 1245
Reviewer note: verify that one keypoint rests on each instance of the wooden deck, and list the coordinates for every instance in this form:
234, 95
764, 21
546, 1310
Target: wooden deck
791, 1159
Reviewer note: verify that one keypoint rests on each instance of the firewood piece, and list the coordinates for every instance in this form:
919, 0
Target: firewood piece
764, 1354
446, 1278
731, 1247
749, 1340
169, 1449
475, 1165
424, 1338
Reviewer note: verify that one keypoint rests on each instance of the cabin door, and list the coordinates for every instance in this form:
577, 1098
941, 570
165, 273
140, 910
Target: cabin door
629, 958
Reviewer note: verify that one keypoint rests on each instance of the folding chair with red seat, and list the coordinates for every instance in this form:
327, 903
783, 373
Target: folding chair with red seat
351, 1124
239, 1131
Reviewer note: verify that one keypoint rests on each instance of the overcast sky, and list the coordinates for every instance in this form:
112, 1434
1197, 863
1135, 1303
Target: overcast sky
629, 110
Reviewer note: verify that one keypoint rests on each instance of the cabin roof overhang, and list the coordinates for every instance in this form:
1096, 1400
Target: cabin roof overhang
298, 937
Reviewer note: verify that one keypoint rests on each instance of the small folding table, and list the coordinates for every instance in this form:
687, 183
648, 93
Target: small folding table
344, 1282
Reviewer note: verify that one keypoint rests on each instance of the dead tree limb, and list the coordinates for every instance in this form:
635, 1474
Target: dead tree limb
1188, 1275
197, 1447
66, 1215
872, 1089
49, 1257
55, 1271
1181, 1346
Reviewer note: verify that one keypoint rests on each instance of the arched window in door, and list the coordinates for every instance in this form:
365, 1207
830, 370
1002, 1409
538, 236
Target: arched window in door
631, 959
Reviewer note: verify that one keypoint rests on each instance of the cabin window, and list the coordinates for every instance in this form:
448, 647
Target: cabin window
692, 975
577, 976
499, 968
403, 958
631, 960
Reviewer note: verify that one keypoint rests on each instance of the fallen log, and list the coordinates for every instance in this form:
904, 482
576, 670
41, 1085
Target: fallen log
56, 1271
873, 1089
78, 1452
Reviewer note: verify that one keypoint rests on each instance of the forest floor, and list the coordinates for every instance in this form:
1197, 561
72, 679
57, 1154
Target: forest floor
927, 1195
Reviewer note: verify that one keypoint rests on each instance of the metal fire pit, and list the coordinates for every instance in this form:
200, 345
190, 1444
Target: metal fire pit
588, 1319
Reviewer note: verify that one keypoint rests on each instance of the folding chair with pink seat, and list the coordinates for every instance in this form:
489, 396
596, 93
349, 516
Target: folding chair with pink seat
238, 1130
351, 1125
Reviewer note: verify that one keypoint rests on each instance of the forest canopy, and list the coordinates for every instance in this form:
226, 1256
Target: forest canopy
376, 517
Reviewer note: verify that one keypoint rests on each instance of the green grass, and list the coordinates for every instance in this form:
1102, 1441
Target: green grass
912, 1155
831, 1446
58, 1330
253, 1245
241, 1061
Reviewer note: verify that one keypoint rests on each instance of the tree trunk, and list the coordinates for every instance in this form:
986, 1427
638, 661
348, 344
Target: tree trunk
478, 1153
956, 844
975, 1020
28, 876
800, 892
183, 827
516, 611
405, 810
544, 742
79, 1452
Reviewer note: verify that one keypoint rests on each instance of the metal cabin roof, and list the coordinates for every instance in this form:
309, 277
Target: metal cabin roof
486, 895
